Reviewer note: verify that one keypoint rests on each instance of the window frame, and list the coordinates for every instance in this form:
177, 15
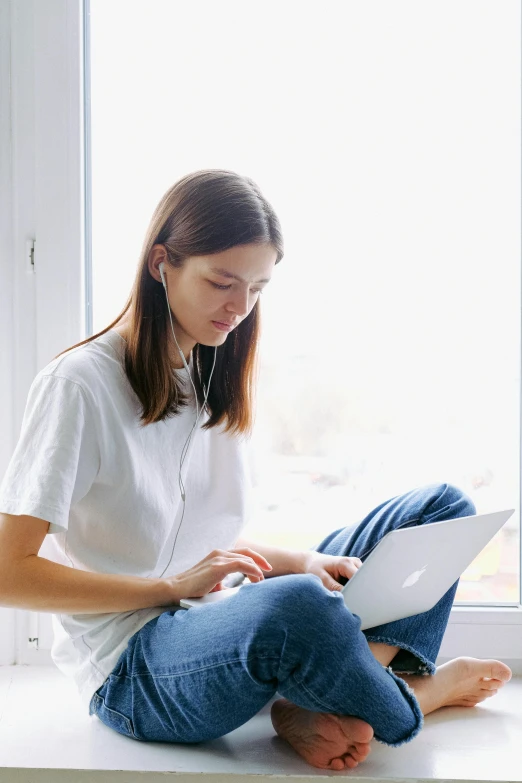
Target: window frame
45, 155
42, 181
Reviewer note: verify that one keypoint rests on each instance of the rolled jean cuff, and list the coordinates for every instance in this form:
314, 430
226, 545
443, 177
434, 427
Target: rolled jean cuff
414, 704
408, 660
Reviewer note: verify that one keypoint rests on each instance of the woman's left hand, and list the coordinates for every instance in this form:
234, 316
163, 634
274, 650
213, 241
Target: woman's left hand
330, 567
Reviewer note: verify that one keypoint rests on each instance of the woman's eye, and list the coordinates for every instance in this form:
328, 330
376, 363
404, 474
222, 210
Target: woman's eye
226, 287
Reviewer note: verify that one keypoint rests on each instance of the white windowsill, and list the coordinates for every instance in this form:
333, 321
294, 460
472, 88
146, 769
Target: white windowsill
486, 615
45, 731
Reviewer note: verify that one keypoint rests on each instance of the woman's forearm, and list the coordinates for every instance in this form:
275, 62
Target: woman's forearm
283, 561
40, 585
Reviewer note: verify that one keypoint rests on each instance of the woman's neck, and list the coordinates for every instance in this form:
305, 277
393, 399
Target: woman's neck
175, 359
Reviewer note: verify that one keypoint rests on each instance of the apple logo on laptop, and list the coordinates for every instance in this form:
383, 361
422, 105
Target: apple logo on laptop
413, 578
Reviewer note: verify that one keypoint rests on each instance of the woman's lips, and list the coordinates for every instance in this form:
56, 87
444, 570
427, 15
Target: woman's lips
223, 327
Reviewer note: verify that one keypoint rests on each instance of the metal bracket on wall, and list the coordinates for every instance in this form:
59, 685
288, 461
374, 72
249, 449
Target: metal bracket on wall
29, 256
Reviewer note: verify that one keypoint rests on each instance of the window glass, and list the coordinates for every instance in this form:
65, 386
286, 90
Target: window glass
387, 138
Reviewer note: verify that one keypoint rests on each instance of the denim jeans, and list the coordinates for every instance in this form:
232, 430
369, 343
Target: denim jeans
197, 674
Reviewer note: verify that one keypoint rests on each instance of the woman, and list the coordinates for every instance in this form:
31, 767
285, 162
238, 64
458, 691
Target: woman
131, 458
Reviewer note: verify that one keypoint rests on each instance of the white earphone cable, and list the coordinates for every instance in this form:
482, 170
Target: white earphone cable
186, 445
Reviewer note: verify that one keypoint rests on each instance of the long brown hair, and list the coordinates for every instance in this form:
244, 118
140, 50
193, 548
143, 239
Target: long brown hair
205, 212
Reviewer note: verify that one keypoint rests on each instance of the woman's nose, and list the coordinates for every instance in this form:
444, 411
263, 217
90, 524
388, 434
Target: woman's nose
238, 303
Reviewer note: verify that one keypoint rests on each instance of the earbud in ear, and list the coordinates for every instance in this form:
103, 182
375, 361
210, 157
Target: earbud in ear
161, 267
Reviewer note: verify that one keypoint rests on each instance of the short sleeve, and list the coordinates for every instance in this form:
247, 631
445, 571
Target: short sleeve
56, 458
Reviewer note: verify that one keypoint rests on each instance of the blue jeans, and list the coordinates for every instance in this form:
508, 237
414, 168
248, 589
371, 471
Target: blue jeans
194, 675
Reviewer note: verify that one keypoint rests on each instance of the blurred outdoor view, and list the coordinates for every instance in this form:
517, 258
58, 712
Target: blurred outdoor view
386, 134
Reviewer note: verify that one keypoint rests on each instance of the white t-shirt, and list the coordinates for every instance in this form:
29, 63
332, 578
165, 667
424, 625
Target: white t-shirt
109, 488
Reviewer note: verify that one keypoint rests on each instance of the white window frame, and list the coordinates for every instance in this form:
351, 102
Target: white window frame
42, 165
42, 180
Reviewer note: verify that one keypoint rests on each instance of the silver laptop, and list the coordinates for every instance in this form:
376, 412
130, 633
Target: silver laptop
410, 569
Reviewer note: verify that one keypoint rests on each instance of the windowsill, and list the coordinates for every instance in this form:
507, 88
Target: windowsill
44, 728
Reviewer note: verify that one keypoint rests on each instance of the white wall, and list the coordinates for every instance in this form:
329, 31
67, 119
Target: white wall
6, 292
17, 175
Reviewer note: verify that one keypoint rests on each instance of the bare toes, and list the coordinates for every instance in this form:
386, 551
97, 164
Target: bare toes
491, 685
499, 671
357, 755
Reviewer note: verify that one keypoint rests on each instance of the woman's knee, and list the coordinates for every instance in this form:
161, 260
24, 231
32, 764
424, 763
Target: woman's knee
296, 600
291, 592
451, 497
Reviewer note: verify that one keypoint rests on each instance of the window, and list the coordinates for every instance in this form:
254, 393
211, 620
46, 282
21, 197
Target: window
387, 136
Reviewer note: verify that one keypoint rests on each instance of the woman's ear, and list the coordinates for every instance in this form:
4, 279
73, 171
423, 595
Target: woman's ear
157, 255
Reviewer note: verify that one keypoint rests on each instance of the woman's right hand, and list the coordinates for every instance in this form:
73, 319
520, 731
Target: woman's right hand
205, 577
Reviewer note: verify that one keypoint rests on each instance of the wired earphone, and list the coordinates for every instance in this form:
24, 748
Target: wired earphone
199, 411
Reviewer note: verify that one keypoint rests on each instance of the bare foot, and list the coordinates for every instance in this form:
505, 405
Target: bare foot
323, 740
463, 682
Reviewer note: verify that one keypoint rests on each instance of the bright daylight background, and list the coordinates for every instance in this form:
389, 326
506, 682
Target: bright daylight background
386, 134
